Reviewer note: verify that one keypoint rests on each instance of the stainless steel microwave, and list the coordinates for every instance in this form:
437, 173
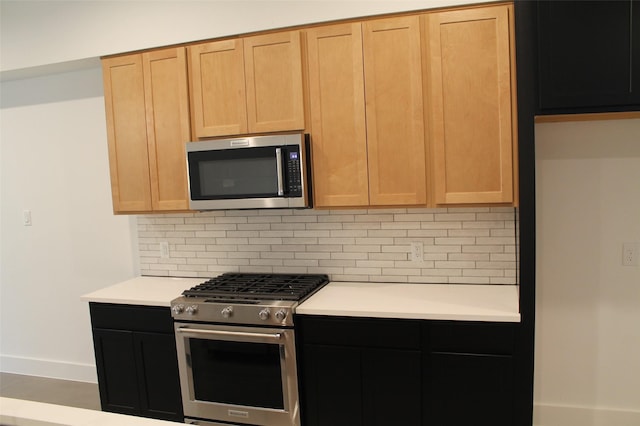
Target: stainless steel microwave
255, 172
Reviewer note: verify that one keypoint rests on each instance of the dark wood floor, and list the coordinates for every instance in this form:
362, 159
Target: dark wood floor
52, 391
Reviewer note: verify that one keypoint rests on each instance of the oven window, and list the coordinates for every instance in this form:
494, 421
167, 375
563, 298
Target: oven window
237, 373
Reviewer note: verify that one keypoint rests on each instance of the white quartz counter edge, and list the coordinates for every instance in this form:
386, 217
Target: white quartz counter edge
416, 301
147, 291
18, 412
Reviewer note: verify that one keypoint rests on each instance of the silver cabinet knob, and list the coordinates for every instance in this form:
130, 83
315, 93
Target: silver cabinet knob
227, 312
177, 309
264, 314
281, 315
191, 310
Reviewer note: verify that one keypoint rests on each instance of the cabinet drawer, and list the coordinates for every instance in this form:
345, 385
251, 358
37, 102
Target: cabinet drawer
362, 332
131, 317
470, 337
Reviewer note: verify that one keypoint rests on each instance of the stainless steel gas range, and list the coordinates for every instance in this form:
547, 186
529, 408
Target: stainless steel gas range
236, 348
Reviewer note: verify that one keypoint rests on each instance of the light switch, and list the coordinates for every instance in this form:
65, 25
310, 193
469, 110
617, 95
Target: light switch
26, 217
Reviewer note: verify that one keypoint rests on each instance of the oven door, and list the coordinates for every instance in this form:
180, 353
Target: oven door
242, 375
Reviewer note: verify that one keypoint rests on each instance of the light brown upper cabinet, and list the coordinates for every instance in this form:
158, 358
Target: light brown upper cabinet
216, 71
395, 115
471, 72
146, 100
367, 149
338, 129
247, 85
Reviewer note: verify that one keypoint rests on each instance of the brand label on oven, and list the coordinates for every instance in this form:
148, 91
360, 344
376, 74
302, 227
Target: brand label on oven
237, 413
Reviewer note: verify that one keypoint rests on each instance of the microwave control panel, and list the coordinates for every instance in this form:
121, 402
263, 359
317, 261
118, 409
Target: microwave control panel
293, 172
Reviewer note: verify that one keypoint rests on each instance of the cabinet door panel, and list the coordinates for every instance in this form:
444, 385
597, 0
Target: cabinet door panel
471, 105
168, 130
391, 387
158, 376
127, 133
468, 389
273, 68
395, 120
585, 53
332, 386
336, 92
218, 88
116, 367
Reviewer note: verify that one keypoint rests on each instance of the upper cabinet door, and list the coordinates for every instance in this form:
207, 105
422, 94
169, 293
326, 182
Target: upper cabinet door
127, 133
336, 92
586, 55
472, 105
167, 110
273, 67
395, 116
218, 88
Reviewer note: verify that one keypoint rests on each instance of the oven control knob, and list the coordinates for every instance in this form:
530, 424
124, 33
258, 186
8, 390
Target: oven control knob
227, 312
191, 310
177, 309
281, 315
264, 314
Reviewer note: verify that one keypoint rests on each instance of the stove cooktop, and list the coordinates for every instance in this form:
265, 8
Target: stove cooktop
258, 286
245, 298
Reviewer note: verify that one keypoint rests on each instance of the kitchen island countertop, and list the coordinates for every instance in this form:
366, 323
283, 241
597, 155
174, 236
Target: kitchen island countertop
18, 412
462, 302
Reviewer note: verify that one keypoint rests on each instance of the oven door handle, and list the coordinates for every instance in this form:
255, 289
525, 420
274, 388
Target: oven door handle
238, 336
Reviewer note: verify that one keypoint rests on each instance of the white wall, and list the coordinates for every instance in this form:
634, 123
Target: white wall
41, 33
587, 364
54, 163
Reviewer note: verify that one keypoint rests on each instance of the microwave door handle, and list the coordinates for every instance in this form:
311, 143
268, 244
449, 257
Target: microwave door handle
279, 172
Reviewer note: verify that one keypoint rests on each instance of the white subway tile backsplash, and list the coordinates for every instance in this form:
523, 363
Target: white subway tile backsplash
460, 245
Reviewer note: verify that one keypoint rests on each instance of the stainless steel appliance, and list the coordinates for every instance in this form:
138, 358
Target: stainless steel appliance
253, 172
236, 348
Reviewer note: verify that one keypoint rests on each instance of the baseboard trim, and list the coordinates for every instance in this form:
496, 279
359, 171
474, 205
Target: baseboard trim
48, 368
562, 415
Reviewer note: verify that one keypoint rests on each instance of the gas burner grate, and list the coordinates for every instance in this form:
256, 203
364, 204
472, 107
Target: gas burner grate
259, 286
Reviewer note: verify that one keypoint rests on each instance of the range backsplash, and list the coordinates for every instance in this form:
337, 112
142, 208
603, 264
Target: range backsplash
461, 245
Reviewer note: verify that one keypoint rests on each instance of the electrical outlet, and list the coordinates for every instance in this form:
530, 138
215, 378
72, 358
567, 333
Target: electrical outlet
417, 251
26, 218
164, 249
630, 254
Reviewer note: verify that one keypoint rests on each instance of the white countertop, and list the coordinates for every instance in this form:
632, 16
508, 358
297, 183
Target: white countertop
464, 302
18, 412
468, 302
148, 291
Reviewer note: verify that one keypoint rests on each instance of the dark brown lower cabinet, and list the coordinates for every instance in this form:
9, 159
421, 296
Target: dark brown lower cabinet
357, 386
136, 360
358, 371
469, 373
468, 389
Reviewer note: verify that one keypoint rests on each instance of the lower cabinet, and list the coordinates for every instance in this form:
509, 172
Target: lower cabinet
136, 360
359, 372
406, 372
468, 373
